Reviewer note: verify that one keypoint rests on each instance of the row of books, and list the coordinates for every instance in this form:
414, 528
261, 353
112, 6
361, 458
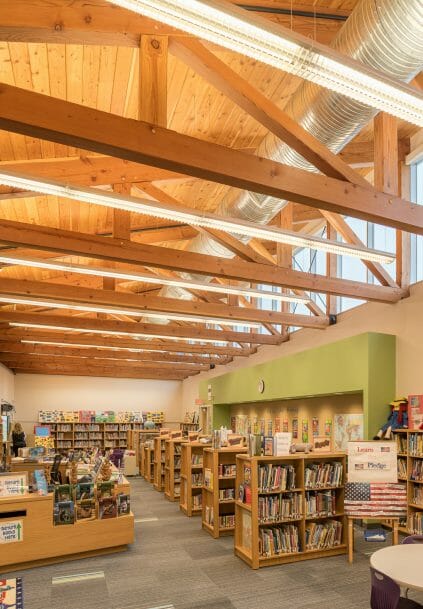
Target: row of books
197, 501
418, 495
320, 503
227, 470
415, 444
279, 507
276, 477
274, 541
402, 468
227, 521
415, 523
226, 493
323, 535
323, 474
401, 443
196, 459
197, 479
417, 470
209, 515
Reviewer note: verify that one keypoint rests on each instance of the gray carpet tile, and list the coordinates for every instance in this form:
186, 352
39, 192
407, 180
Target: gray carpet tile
174, 564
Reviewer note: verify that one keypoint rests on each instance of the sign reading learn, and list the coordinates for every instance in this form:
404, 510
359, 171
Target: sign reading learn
372, 462
11, 532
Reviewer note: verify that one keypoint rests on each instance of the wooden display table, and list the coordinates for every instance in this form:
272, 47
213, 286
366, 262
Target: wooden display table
19, 465
43, 543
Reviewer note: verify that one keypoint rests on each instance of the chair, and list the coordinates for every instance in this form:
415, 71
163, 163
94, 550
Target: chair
413, 539
55, 475
386, 593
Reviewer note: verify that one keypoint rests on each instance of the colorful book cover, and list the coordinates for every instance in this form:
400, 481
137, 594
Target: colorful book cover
63, 492
305, 430
294, 429
11, 593
40, 482
268, 446
107, 508
85, 509
105, 489
84, 491
123, 504
315, 426
328, 427
64, 512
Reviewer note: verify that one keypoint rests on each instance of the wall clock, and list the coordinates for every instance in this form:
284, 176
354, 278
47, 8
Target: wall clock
261, 386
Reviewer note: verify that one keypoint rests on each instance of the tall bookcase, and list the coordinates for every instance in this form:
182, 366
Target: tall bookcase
410, 470
159, 463
83, 436
192, 478
148, 463
219, 491
290, 508
173, 455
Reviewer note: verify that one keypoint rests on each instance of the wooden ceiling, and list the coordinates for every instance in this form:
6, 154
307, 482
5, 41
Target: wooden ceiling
93, 55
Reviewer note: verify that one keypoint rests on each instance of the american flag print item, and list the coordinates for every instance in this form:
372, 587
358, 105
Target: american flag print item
375, 499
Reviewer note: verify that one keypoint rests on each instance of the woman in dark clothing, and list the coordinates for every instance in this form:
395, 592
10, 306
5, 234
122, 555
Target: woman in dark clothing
18, 438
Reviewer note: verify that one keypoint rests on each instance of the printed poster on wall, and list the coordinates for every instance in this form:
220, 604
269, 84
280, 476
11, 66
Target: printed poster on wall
285, 426
328, 428
315, 427
347, 428
277, 424
270, 427
372, 461
294, 429
305, 431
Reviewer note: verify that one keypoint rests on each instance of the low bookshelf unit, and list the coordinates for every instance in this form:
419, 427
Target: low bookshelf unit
148, 462
173, 450
219, 491
290, 508
192, 478
410, 470
159, 463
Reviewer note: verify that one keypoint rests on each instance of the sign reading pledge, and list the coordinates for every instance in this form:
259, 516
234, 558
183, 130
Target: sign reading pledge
372, 462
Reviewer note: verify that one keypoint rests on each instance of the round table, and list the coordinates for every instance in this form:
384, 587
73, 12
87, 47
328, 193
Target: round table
403, 564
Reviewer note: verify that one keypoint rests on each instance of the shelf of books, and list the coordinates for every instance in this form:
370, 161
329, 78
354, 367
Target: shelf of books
83, 436
148, 462
218, 502
410, 470
173, 453
290, 508
159, 463
192, 478
137, 440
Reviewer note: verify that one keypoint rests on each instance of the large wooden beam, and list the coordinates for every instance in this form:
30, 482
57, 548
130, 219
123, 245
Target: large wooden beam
153, 330
69, 242
101, 23
60, 121
86, 370
278, 122
139, 303
98, 352
212, 353
360, 153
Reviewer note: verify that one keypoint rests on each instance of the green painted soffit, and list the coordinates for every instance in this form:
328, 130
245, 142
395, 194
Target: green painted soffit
363, 363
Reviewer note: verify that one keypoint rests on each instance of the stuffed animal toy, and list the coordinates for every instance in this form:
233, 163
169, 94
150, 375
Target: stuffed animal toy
398, 419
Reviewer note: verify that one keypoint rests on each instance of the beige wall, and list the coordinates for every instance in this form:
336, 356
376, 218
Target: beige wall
34, 392
7, 384
403, 319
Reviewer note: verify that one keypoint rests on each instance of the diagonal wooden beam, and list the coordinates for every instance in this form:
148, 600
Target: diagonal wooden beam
69, 242
60, 121
278, 122
139, 302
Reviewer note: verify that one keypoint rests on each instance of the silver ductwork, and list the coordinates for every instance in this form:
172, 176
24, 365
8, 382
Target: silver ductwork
384, 34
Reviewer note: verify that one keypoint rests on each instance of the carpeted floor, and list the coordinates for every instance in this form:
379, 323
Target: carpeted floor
173, 564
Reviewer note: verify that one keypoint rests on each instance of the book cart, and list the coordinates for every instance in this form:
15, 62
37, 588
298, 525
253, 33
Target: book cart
410, 470
219, 491
290, 508
159, 463
148, 463
192, 478
173, 450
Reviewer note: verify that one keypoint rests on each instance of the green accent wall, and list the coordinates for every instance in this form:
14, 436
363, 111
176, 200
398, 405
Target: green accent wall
363, 363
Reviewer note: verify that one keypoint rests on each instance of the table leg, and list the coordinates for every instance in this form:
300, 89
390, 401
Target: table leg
395, 533
350, 539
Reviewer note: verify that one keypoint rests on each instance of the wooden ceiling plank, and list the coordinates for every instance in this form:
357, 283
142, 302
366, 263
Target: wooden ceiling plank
68, 242
69, 370
41, 116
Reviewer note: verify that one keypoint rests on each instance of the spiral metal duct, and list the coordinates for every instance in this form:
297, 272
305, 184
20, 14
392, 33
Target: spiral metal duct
384, 34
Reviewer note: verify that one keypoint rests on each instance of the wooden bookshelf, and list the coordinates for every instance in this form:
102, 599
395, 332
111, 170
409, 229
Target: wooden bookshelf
290, 515
214, 508
173, 456
187, 427
192, 478
84, 436
148, 463
136, 441
159, 463
410, 461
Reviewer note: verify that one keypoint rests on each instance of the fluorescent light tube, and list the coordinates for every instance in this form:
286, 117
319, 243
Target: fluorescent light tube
187, 284
186, 215
136, 336
56, 304
235, 29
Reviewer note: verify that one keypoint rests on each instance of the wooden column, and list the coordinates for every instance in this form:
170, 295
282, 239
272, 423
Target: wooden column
387, 179
284, 252
331, 271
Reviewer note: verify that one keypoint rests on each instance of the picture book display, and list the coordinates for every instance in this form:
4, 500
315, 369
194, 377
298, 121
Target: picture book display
11, 593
